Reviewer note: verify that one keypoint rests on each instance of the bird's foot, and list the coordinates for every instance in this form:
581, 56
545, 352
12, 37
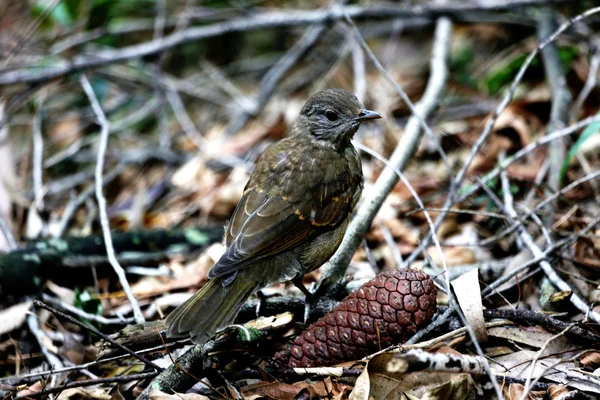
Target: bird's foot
309, 297
262, 297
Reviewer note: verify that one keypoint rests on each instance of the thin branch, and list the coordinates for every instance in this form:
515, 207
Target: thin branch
279, 19
561, 97
88, 382
591, 81
372, 201
110, 251
85, 315
551, 274
273, 77
38, 150
40, 335
97, 333
5, 225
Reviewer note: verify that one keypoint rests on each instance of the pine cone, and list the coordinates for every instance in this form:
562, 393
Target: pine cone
386, 310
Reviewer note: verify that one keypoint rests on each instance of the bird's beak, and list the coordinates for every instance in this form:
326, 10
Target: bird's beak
366, 114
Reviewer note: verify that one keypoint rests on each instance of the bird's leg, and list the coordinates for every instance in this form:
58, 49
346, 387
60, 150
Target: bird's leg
262, 297
309, 297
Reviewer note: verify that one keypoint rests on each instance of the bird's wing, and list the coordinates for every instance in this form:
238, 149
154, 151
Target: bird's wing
264, 224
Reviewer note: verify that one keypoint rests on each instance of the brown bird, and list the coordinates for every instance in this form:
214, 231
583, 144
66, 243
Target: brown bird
292, 216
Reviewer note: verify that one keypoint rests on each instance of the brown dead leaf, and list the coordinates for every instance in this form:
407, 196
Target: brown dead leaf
591, 360
456, 388
158, 395
515, 391
84, 394
283, 391
376, 382
557, 392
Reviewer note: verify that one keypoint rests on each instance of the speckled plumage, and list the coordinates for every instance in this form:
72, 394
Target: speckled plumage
292, 215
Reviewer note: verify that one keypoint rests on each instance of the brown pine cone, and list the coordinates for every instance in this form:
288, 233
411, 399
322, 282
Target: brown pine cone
386, 310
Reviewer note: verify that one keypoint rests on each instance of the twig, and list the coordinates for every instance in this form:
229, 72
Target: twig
359, 71
82, 314
419, 360
38, 150
540, 205
551, 274
105, 129
178, 376
261, 21
371, 203
538, 354
274, 76
561, 97
591, 81
97, 333
548, 322
76, 384
5, 226
76, 202
40, 335
429, 343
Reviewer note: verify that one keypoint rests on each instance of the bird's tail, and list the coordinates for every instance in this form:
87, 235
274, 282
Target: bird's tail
213, 307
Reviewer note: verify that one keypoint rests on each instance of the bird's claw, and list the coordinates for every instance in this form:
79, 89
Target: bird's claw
261, 299
309, 298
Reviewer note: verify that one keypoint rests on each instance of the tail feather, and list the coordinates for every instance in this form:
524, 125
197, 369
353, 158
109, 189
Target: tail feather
213, 307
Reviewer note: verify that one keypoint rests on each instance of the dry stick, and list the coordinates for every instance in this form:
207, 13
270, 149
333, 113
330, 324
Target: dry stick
41, 337
538, 354
272, 78
82, 314
5, 227
359, 225
76, 384
273, 19
591, 81
76, 202
97, 333
539, 206
551, 274
110, 251
561, 97
419, 360
450, 200
38, 150
359, 71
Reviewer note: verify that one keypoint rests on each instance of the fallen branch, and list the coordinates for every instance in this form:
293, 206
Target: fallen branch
25, 270
276, 19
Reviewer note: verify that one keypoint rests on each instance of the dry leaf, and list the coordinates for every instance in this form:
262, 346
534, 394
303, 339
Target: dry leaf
13, 317
84, 394
468, 294
158, 395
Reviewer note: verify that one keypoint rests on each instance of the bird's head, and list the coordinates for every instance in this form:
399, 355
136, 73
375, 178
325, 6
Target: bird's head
332, 115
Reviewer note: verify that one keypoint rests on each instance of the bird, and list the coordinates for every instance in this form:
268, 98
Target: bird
292, 216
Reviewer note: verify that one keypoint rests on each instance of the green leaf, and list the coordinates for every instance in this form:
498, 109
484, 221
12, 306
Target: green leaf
588, 132
195, 236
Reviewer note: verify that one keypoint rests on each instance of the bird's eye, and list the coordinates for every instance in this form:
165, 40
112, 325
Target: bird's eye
331, 115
